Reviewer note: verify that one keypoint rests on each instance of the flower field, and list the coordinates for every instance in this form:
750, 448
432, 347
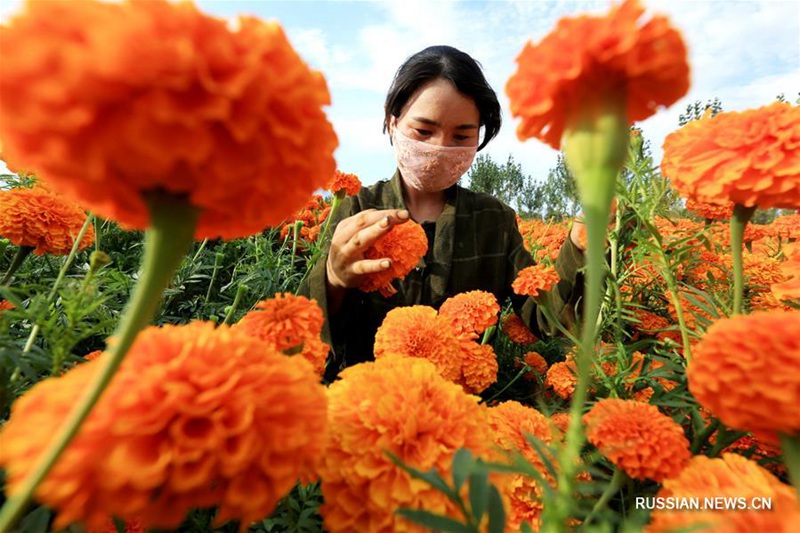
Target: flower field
160, 371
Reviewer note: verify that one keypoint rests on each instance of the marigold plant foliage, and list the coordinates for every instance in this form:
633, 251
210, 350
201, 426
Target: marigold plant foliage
585, 57
531, 281
750, 381
44, 221
289, 324
404, 245
403, 406
196, 417
748, 157
731, 476
637, 438
471, 313
511, 424
154, 96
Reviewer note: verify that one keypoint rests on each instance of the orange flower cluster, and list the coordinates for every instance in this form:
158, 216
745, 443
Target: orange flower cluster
712, 211
403, 406
637, 438
289, 324
42, 220
418, 331
789, 289
562, 377
342, 182
731, 476
651, 324
404, 245
537, 363
733, 372
196, 416
587, 57
787, 227
5, 305
747, 157
510, 423
516, 330
155, 97
533, 279
543, 239
313, 215
471, 313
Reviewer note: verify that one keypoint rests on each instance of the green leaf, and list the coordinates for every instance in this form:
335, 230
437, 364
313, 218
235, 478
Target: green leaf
462, 466
479, 493
36, 521
432, 477
526, 528
434, 521
497, 514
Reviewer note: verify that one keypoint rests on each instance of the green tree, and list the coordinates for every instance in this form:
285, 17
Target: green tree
506, 182
696, 110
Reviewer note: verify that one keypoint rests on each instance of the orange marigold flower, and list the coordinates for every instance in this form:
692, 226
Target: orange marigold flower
714, 211
511, 423
91, 356
404, 245
288, 323
533, 279
417, 331
478, 366
543, 238
536, 362
5, 305
560, 422
747, 157
197, 416
650, 323
156, 96
789, 289
588, 56
517, 331
131, 526
471, 312
399, 405
731, 476
42, 220
734, 375
786, 227
637, 438
342, 181
562, 378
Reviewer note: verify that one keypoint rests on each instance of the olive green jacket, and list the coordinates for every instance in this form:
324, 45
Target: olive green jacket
477, 246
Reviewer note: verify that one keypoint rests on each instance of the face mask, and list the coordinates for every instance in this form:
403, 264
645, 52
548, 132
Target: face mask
427, 167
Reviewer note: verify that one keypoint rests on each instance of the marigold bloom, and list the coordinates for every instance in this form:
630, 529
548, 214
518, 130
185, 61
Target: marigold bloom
536, 362
650, 323
403, 406
637, 438
731, 476
786, 227
560, 421
5, 305
715, 211
288, 323
588, 56
734, 375
789, 289
91, 356
511, 423
517, 331
196, 416
533, 279
478, 366
562, 377
417, 331
42, 220
157, 97
404, 245
342, 181
747, 157
543, 238
471, 312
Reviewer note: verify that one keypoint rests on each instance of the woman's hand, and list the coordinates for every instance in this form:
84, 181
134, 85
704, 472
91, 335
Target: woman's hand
353, 236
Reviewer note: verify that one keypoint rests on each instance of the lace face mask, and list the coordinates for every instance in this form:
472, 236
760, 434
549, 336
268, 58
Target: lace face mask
427, 167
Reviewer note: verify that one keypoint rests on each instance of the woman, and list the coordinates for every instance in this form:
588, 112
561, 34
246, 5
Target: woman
435, 109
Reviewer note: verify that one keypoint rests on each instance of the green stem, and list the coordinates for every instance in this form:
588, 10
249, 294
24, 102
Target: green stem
790, 446
335, 203
96, 235
702, 438
617, 481
488, 334
240, 292
16, 262
521, 373
199, 250
173, 223
298, 224
218, 258
59, 279
741, 216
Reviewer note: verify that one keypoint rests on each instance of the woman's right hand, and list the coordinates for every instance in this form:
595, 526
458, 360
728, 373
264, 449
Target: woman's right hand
346, 264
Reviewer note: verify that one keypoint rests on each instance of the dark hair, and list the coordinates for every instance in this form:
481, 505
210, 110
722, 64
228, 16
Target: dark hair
450, 64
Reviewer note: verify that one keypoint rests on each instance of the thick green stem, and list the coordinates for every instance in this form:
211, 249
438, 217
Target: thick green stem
218, 258
173, 223
617, 481
16, 262
240, 292
790, 446
741, 216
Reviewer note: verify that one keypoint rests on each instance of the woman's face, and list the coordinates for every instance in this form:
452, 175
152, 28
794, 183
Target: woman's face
438, 114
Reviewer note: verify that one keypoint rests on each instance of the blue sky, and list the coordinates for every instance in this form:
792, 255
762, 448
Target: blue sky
744, 52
